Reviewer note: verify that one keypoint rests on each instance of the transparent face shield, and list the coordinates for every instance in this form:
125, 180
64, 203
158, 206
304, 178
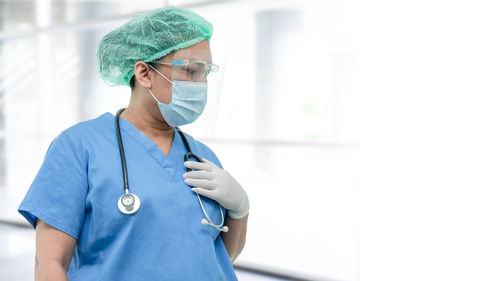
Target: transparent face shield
200, 66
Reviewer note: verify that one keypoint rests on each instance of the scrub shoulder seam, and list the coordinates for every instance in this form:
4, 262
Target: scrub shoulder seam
35, 213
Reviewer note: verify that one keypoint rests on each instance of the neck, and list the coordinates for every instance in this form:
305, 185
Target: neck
142, 117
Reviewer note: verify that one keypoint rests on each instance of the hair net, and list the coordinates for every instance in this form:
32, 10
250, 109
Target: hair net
147, 37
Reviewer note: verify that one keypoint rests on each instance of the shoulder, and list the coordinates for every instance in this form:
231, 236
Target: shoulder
202, 149
88, 127
196, 145
94, 124
76, 134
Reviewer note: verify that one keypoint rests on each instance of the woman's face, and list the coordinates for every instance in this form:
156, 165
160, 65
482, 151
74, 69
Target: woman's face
161, 87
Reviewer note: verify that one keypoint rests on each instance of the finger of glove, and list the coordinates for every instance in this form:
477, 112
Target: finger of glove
197, 165
205, 192
203, 183
208, 161
199, 175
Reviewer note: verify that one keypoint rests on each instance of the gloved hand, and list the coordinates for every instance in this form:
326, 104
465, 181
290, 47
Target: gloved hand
217, 184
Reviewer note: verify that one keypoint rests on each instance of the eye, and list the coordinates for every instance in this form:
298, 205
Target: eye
191, 71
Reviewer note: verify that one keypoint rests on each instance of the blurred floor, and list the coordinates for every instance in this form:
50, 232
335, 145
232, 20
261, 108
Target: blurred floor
17, 256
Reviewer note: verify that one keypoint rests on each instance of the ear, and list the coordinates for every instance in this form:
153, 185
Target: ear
143, 74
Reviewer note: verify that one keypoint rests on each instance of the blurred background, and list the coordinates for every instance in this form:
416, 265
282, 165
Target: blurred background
281, 123
366, 133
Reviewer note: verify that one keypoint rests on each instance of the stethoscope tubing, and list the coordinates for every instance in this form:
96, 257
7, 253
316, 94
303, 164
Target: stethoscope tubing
122, 151
188, 154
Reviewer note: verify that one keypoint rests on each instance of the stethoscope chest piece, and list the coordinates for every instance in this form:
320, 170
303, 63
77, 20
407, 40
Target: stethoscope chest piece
129, 203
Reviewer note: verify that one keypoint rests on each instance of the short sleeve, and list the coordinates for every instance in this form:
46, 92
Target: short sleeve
58, 192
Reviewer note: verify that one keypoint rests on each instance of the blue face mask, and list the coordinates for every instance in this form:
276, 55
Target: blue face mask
188, 101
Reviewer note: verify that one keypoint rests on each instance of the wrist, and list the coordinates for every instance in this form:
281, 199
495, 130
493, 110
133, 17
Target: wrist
242, 211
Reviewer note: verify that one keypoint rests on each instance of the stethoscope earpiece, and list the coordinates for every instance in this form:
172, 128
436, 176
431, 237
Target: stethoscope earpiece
205, 222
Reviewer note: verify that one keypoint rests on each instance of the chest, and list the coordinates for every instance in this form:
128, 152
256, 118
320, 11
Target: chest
155, 168
164, 144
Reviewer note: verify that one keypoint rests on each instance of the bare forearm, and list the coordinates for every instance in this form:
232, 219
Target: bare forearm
50, 271
235, 238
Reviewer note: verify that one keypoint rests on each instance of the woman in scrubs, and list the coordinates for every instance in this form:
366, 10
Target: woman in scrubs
72, 203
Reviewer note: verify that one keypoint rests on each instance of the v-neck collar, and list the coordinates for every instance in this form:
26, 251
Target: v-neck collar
168, 163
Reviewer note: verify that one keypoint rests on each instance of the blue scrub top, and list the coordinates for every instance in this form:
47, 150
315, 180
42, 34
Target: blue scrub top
77, 189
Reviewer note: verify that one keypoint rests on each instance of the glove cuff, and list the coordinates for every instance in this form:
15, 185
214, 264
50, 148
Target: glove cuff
242, 211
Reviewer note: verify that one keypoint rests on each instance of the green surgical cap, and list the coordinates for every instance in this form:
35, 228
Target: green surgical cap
148, 37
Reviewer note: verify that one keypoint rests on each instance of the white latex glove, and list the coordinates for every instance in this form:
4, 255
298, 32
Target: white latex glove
217, 184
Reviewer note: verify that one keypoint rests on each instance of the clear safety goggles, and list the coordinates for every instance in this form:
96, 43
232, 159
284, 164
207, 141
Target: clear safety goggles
191, 69
192, 65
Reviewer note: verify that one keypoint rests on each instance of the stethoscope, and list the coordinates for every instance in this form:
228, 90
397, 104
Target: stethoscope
129, 203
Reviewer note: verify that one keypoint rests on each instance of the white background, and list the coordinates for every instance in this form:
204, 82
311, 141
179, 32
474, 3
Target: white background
388, 120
